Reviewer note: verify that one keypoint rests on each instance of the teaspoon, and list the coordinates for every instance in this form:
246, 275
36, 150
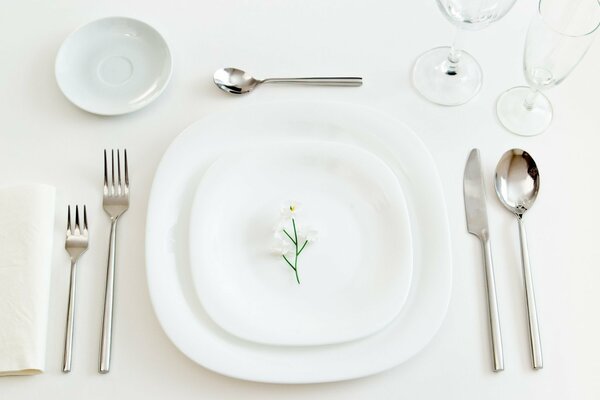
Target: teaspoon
517, 186
237, 81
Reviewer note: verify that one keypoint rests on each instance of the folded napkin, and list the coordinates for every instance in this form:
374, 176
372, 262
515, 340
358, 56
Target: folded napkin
26, 232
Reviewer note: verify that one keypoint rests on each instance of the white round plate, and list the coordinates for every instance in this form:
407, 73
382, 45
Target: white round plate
113, 66
353, 280
170, 283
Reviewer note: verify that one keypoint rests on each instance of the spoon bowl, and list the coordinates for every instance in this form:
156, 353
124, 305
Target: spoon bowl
234, 80
517, 181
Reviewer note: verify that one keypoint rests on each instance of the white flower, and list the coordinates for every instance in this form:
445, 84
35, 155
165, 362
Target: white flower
283, 248
290, 210
282, 245
283, 233
308, 234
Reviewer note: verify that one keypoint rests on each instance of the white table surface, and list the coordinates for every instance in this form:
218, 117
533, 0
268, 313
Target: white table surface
46, 139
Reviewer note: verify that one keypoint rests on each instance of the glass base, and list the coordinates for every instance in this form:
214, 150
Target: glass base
522, 120
446, 83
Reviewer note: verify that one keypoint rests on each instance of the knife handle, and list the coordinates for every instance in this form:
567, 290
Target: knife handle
496, 336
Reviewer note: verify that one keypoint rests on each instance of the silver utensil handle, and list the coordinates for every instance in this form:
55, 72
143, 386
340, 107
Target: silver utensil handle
68, 354
534, 329
321, 81
106, 340
494, 316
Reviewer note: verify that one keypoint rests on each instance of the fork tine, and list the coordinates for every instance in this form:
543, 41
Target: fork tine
112, 160
85, 226
119, 167
77, 230
126, 170
105, 172
69, 220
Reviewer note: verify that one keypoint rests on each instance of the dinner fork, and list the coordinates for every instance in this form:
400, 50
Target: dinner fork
115, 202
76, 244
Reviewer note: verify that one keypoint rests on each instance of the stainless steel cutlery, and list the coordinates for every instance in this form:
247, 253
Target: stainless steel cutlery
477, 224
115, 203
76, 244
237, 81
517, 187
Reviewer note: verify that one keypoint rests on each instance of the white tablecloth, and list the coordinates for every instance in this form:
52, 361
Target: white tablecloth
46, 139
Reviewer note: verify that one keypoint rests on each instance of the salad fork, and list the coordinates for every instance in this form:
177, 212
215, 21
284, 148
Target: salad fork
115, 203
76, 244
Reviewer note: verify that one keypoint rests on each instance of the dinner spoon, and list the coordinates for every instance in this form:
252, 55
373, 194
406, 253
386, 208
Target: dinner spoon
517, 186
237, 81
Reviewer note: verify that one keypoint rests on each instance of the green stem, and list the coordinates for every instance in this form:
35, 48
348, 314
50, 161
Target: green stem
296, 265
297, 252
303, 246
288, 261
288, 235
295, 233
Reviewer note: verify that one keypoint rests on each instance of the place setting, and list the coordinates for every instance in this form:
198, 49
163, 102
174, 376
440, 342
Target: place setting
288, 241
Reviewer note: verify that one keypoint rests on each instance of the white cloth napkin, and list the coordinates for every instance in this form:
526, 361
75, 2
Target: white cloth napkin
26, 233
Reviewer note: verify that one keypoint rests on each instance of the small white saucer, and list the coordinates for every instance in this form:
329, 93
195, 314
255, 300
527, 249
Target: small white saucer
113, 66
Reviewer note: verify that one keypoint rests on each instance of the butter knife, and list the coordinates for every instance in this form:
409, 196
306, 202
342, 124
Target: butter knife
477, 224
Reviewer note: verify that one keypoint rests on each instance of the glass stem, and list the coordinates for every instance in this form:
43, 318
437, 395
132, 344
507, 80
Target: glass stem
451, 64
530, 99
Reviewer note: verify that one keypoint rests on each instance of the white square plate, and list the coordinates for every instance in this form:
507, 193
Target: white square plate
352, 281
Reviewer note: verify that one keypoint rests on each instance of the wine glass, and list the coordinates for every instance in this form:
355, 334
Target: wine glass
558, 37
447, 75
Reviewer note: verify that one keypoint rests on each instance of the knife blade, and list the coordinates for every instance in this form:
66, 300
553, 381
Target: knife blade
476, 210
477, 224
